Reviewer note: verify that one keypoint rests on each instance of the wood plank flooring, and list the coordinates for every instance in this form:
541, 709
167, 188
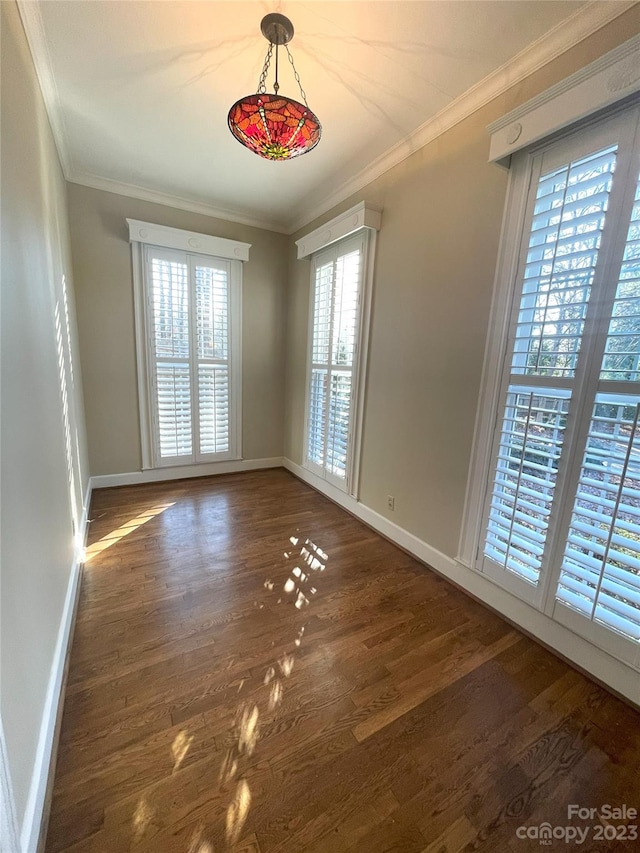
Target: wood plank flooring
254, 670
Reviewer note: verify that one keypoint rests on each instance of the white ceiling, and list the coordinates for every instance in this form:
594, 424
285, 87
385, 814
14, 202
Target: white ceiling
138, 92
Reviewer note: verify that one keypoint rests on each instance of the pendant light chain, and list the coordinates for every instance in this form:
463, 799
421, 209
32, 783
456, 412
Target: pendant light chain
262, 83
297, 76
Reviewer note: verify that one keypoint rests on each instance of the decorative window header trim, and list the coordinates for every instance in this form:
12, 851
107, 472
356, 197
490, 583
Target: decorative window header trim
360, 216
187, 241
612, 77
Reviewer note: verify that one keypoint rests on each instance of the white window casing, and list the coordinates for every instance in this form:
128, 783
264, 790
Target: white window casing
188, 308
604, 82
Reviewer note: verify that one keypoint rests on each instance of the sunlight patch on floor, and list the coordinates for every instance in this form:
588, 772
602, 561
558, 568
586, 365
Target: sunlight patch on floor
120, 532
245, 731
180, 747
142, 817
199, 844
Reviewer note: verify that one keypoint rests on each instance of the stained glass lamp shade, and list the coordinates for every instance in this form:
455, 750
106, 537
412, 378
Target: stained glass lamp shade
276, 128
273, 126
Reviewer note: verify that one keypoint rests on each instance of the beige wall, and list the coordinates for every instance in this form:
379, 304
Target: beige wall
102, 268
435, 266
41, 488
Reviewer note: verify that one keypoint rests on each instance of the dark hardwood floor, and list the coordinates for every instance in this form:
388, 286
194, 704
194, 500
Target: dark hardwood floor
255, 670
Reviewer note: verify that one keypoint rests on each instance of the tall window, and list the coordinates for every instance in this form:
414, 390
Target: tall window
561, 523
335, 340
190, 308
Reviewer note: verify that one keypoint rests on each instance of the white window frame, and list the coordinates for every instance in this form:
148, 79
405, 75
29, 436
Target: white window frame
505, 301
365, 221
144, 236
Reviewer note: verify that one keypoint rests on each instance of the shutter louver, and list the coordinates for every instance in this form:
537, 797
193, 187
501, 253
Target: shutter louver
530, 446
170, 290
567, 225
622, 351
345, 309
600, 575
212, 307
601, 568
317, 418
339, 424
322, 314
213, 390
212, 323
563, 243
170, 300
343, 347
174, 409
321, 337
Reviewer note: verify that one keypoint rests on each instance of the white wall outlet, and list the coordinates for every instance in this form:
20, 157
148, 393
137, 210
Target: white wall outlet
391, 502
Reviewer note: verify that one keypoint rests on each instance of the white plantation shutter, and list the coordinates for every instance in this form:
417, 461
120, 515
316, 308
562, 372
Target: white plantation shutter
335, 329
320, 356
566, 220
169, 296
525, 478
566, 228
192, 334
600, 574
173, 400
562, 510
212, 325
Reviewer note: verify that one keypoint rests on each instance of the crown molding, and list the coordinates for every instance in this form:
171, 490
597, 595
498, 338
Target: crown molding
34, 30
565, 35
618, 54
583, 23
612, 77
86, 179
36, 38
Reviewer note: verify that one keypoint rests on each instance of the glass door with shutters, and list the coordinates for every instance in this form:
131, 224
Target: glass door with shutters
562, 514
337, 277
190, 343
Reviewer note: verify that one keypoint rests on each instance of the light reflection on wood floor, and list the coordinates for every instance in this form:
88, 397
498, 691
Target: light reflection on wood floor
255, 670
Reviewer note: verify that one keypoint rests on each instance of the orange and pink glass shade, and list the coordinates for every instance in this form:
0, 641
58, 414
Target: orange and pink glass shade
273, 126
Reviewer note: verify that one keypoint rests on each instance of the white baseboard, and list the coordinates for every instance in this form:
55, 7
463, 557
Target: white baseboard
45, 755
603, 667
181, 472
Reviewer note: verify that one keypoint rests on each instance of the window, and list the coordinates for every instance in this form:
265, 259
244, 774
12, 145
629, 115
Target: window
341, 252
561, 520
337, 276
188, 309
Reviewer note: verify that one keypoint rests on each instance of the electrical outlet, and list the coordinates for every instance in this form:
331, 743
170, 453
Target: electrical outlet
391, 502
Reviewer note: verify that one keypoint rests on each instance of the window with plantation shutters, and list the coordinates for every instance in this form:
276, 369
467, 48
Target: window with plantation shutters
335, 332
561, 518
191, 325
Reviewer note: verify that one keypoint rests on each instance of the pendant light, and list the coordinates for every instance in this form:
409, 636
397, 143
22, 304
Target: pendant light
272, 126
